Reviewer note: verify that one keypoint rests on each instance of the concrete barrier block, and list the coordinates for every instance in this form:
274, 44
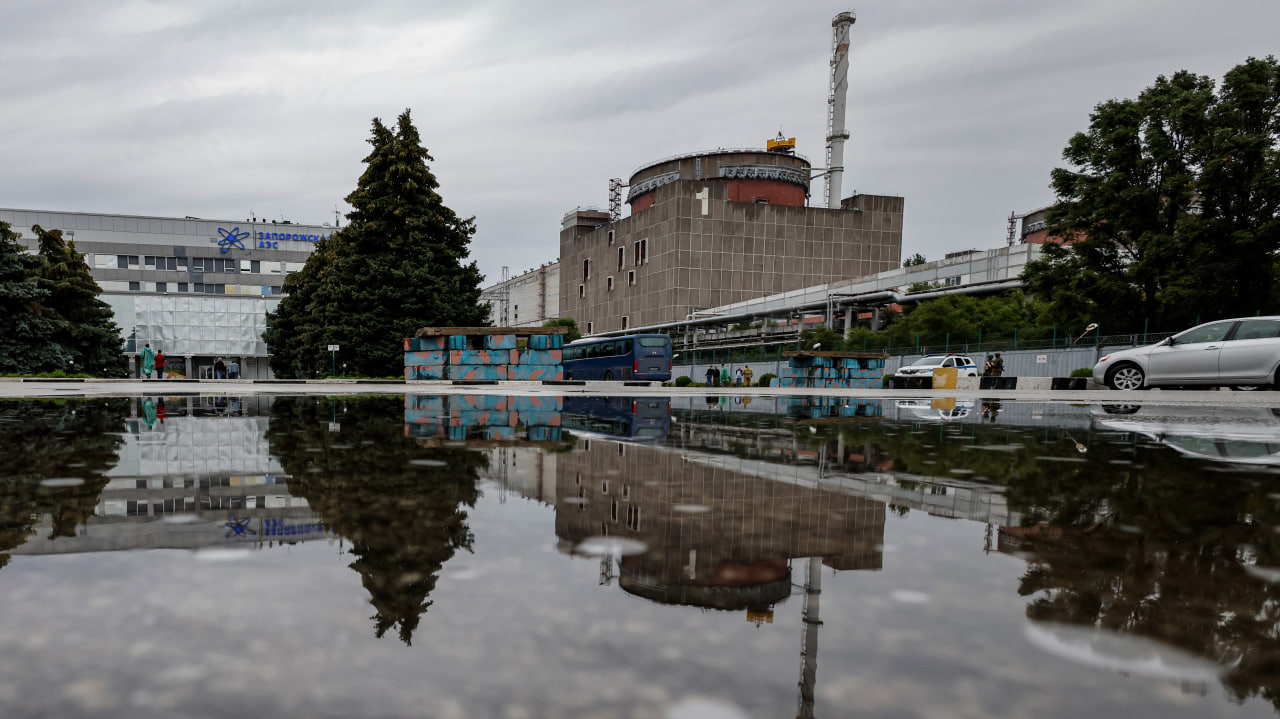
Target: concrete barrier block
423, 344
997, 383
911, 383
457, 342
477, 357
1074, 383
555, 342
539, 342
542, 419
424, 358
536, 372
499, 342
424, 372
543, 434
539, 357
485, 402
525, 403
1034, 383
472, 372
968, 383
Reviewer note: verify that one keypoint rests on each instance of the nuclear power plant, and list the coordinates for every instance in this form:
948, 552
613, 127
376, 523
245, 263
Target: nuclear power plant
713, 228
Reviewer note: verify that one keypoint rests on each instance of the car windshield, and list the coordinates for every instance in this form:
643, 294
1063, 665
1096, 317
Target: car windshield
928, 362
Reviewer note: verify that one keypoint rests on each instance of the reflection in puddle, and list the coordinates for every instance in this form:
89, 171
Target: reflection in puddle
720, 530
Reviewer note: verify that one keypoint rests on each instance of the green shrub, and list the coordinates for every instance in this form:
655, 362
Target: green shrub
885, 380
766, 379
684, 381
1082, 372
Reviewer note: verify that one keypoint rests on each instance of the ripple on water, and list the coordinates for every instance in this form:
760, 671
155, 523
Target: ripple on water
222, 554
690, 508
180, 518
62, 482
428, 463
610, 546
1266, 574
1119, 653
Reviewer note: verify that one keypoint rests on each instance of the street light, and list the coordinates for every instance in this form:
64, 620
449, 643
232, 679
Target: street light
344, 369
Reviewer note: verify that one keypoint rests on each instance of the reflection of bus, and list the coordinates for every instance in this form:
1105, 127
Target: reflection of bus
641, 418
640, 357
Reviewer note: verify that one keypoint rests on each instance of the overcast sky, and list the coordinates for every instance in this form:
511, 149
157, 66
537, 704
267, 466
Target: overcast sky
219, 109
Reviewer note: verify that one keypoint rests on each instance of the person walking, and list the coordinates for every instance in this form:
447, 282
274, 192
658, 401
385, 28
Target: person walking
737, 377
234, 370
997, 365
746, 374
160, 365
712, 375
148, 361
724, 375
219, 369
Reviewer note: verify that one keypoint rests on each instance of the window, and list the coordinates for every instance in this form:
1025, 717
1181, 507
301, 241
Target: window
641, 251
255, 266
162, 287
182, 262
622, 257
182, 286
199, 287
246, 266
1257, 330
582, 291
171, 263
631, 278
624, 322
150, 261
133, 260
122, 262
609, 283
586, 269
1208, 333
591, 327
633, 518
611, 237
135, 286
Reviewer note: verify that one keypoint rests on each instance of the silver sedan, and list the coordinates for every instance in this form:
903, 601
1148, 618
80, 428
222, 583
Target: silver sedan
1244, 353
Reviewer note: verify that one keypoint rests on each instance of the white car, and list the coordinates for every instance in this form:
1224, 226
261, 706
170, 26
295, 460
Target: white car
925, 366
1243, 353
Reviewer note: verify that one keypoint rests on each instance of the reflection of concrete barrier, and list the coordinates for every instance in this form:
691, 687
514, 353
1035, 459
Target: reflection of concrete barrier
945, 377
494, 418
484, 353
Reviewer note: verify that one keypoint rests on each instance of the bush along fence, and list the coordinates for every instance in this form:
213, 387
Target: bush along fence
484, 353
858, 370
486, 418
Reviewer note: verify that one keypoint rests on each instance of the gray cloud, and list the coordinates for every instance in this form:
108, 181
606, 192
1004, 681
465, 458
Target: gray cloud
216, 109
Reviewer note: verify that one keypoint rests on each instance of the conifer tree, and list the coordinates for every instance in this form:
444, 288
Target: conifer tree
27, 331
87, 331
399, 265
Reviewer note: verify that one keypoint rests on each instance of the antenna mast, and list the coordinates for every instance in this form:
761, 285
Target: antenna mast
836, 96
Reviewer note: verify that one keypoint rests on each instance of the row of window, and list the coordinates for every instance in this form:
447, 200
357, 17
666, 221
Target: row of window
639, 256
609, 284
207, 288
195, 264
591, 326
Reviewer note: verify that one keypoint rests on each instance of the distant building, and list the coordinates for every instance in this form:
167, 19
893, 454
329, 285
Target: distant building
713, 228
526, 300
194, 289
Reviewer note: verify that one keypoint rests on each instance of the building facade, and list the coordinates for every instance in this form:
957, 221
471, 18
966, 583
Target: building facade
195, 289
526, 300
714, 228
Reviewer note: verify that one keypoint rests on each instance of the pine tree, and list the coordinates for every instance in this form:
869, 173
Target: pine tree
87, 330
27, 330
399, 265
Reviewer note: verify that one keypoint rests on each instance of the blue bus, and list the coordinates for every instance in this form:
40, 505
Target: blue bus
638, 357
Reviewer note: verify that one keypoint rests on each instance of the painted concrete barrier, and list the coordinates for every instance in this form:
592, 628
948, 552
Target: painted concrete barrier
832, 370
493, 418
485, 354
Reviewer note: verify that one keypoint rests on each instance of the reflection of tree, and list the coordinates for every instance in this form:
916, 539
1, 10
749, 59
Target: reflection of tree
1159, 549
54, 439
403, 519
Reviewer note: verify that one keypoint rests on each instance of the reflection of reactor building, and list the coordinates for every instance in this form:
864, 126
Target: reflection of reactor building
715, 537
712, 228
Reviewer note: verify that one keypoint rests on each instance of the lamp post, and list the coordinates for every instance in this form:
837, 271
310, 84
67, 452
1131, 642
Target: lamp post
344, 369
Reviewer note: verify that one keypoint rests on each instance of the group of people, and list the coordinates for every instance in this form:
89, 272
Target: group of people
994, 366
719, 376
153, 363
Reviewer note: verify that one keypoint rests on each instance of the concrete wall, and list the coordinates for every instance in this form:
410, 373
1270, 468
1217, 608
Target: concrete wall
708, 253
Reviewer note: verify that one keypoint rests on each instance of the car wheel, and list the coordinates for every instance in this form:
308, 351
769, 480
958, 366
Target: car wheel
608, 376
1246, 387
1126, 377
1121, 408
